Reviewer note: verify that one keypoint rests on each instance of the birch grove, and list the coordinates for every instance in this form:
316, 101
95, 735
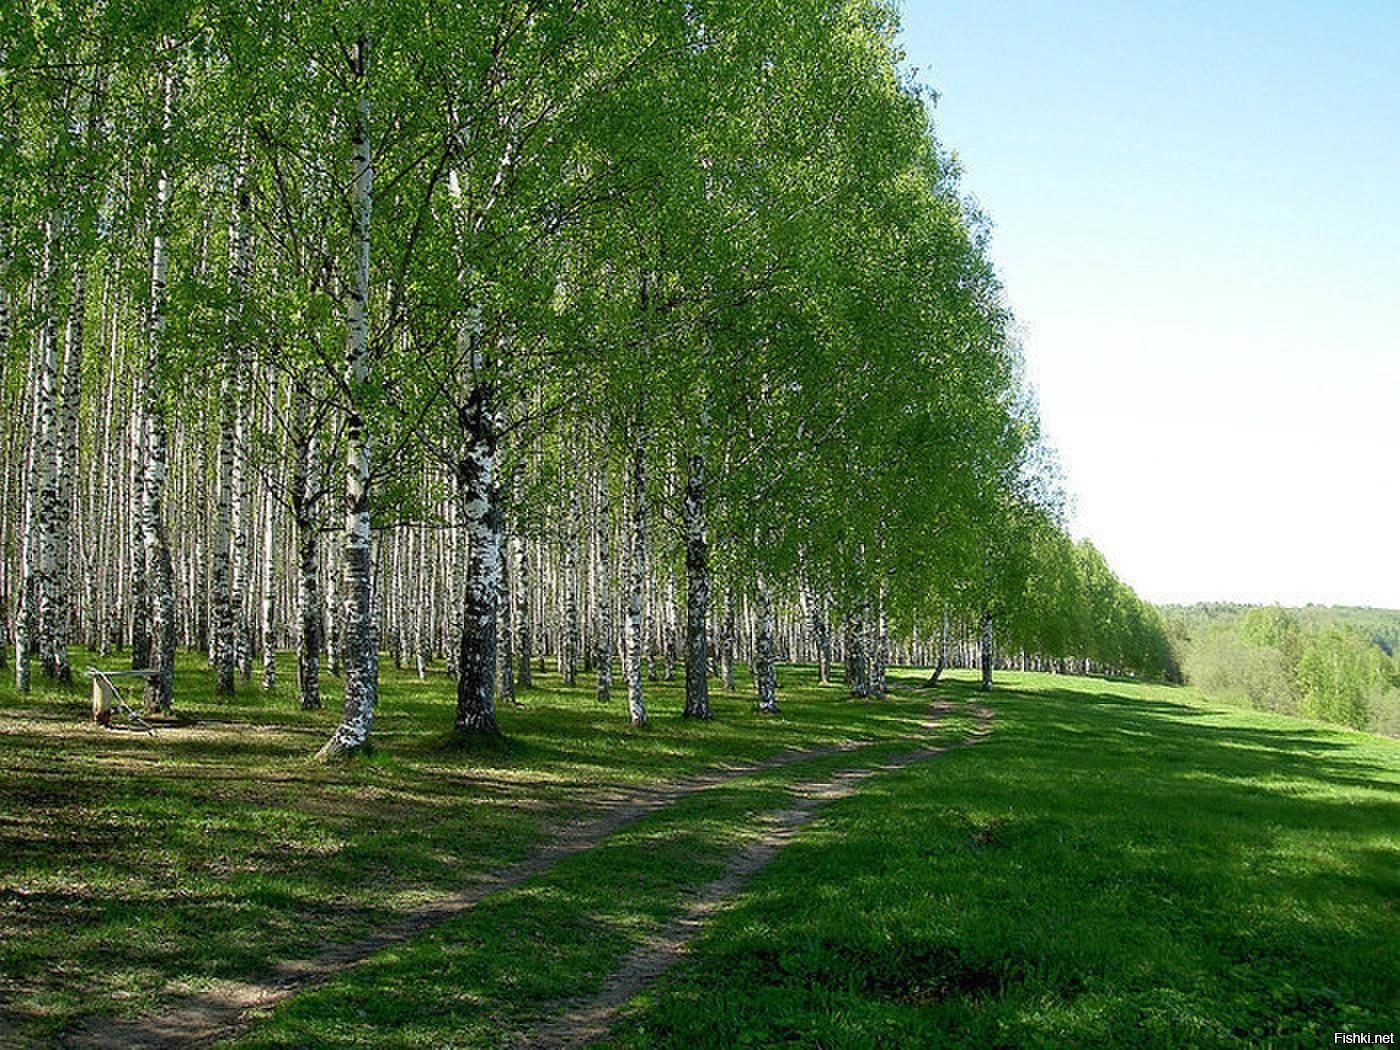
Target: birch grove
660, 337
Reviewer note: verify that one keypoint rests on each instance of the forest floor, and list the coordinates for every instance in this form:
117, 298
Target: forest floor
1115, 864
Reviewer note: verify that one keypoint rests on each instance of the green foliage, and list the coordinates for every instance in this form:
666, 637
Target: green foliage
1338, 673
1329, 664
1071, 606
1224, 665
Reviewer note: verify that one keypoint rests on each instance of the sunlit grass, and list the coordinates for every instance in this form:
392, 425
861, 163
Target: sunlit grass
133, 866
1117, 866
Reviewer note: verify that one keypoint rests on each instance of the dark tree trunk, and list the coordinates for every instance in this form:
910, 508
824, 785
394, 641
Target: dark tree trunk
697, 604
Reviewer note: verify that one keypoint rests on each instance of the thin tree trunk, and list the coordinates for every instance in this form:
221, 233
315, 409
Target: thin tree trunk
821, 632
524, 579
308, 564
880, 659
230, 393
728, 638
159, 570
67, 476
987, 650
765, 672
571, 609
635, 632
697, 598
857, 666
505, 631
140, 605
361, 627
45, 448
603, 592
942, 651
269, 595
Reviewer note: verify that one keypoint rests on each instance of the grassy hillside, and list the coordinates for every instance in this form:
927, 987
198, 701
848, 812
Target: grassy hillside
1117, 864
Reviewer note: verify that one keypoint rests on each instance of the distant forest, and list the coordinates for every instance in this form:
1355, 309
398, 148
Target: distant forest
1335, 663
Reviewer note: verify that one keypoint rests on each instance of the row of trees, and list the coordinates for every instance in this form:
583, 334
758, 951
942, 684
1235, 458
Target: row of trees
481, 330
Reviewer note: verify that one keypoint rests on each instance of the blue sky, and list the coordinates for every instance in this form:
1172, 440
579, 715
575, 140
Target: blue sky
1197, 219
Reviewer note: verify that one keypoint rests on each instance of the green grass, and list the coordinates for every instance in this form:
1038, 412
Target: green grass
135, 866
1115, 867
1118, 865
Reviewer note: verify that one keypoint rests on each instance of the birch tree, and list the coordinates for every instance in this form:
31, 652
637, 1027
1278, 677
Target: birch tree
361, 644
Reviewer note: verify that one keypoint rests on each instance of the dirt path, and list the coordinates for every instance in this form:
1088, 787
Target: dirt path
580, 1022
221, 1011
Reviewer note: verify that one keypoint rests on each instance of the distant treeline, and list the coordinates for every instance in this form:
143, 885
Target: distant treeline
1335, 663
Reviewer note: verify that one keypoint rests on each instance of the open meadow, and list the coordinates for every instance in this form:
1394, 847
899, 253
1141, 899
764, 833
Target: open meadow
1112, 863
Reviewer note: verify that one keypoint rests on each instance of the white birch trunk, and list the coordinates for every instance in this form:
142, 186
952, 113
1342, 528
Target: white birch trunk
857, 663
880, 660
481, 522
697, 597
602, 593
27, 609
139, 606
66, 469
728, 638
361, 628
765, 671
523, 582
304, 483
635, 633
987, 652
45, 453
159, 572
571, 608
269, 595
505, 634
229, 502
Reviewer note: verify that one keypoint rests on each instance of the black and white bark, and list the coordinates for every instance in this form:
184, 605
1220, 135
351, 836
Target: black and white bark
697, 596
987, 648
479, 500
857, 662
303, 499
765, 662
524, 580
635, 627
221, 591
942, 658
232, 436
602, 593
571, 646
361, 638
160, 581
28, 634
268, 622
66, 471
729, 636
139, 611
815, 609
880, 657
42, 563
505, 630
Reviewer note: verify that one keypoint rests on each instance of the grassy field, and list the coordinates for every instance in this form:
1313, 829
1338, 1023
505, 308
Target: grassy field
1117, 865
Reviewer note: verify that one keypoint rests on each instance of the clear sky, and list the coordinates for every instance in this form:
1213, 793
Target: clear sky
1196, 206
